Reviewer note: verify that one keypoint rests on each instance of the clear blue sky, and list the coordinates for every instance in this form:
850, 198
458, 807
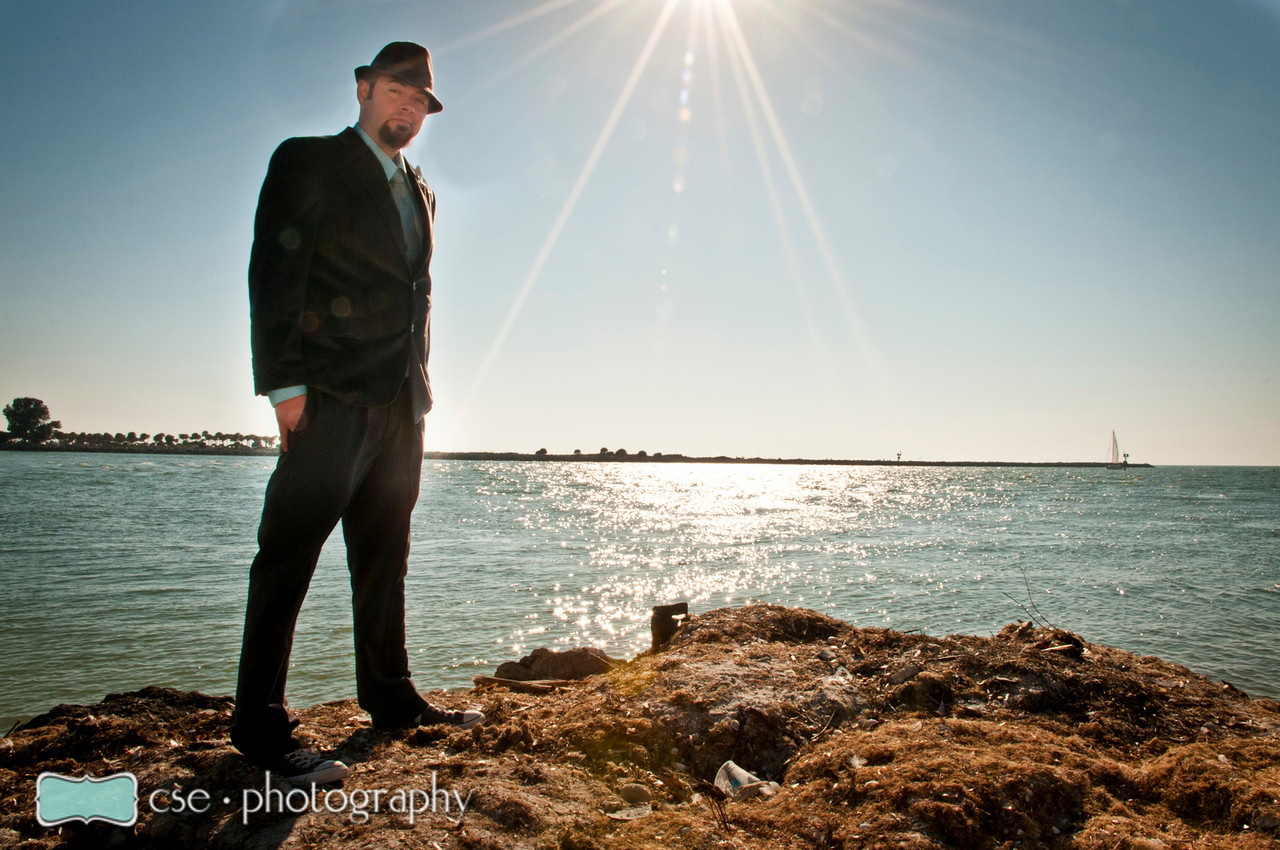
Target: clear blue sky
960, 230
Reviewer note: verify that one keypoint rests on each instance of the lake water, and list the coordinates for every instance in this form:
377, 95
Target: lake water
122, 571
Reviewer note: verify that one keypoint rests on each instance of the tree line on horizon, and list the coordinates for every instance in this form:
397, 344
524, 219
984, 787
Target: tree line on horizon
31, 424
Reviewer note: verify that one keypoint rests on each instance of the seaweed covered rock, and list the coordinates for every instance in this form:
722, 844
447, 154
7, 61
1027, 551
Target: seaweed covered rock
1033, 738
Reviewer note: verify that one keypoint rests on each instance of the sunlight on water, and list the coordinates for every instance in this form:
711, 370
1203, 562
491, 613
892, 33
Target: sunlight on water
125, 572
587, 549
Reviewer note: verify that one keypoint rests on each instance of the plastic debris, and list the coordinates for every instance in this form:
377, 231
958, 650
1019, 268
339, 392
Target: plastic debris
738, 784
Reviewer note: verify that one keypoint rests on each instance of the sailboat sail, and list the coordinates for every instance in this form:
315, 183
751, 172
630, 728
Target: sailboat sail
1116, 461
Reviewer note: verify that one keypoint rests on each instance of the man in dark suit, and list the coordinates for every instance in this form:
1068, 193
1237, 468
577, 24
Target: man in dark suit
340, 301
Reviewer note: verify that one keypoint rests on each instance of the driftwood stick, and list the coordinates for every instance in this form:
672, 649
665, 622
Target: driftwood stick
537, 686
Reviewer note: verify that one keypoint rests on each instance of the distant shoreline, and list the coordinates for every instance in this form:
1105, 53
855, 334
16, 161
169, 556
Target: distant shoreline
796, 461
611, 457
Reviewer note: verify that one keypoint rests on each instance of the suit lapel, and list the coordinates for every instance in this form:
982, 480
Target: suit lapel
368, 173
419, 191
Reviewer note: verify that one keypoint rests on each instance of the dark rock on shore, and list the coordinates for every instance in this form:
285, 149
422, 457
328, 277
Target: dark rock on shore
543, 663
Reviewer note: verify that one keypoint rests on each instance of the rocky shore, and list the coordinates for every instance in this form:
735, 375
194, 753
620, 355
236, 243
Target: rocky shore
876, 738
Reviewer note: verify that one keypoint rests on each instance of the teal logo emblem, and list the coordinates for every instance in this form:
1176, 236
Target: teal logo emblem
62, 799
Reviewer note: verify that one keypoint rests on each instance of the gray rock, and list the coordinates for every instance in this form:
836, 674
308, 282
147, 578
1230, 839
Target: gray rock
906, 674
542, 663
635, 793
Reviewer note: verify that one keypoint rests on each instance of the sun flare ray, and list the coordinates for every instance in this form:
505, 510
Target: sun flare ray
584, 175
811, 45
503, 25
828, 18
717, 96
775, 202
738, 43
568, 32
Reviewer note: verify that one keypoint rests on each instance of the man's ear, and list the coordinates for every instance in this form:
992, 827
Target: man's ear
363, 89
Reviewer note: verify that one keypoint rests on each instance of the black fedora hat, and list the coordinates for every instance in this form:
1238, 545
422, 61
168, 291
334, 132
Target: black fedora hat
409, 63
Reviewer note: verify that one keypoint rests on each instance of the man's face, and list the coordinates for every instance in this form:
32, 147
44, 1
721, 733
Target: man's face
391, 111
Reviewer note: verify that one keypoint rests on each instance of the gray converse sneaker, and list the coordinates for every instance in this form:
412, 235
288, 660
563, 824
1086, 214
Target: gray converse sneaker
432, 716
303, 767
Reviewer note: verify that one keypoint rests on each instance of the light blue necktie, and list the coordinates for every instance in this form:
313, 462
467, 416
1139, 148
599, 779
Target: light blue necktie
408, 216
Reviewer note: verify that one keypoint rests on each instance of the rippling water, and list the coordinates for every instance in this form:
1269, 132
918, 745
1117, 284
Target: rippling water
125, 570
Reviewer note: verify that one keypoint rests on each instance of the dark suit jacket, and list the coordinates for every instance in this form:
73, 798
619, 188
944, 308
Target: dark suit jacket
333, 301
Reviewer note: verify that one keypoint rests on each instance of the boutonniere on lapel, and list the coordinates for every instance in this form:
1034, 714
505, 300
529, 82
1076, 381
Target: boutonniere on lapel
417, 172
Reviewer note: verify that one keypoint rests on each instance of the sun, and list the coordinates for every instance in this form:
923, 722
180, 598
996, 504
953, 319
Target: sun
714, 39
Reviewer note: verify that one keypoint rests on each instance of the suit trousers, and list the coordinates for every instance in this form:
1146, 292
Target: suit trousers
360, 466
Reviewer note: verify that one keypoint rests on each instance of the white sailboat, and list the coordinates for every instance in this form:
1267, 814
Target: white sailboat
1114, 461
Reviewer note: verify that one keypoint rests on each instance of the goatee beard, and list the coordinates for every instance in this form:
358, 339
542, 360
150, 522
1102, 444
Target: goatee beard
395, 137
